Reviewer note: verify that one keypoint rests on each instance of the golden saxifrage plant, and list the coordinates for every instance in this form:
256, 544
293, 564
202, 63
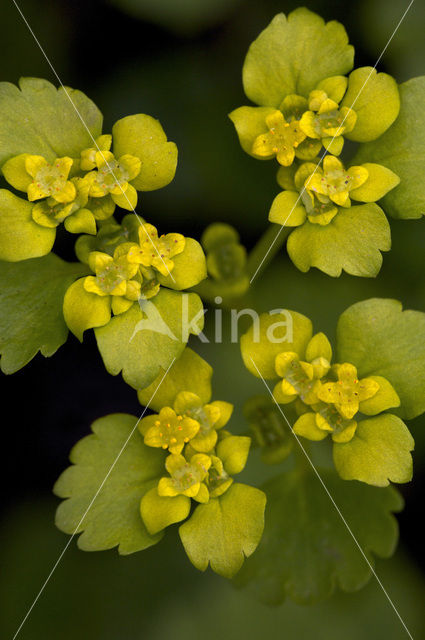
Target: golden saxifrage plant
142, 293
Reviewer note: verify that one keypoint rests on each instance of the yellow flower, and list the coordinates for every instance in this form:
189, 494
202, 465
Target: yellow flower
334, 183
169, 431
155, 252
50, 180
186, 477
325, 120
115, 277
113, 177
210, 417
347, 393
301, 379
50, 212
281, 140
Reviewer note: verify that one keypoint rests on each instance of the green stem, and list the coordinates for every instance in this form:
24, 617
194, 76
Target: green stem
266, 248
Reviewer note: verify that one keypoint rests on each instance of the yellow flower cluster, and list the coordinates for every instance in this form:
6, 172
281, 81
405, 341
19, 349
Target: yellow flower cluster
76, 191
328, 397
202, 458
131, 272
301, 126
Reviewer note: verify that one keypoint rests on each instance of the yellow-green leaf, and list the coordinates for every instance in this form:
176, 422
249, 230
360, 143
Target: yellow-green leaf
142, 136
378, 454
292, 55
226, 530
20, 237
109, 517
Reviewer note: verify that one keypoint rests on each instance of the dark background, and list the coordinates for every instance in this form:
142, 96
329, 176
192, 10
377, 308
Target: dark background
181, 62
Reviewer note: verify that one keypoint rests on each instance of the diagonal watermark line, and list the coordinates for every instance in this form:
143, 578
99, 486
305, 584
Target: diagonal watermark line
334, 503
90, 133
336, 134
55, 566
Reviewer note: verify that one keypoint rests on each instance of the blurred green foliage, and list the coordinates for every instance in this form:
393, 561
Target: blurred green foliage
109, 597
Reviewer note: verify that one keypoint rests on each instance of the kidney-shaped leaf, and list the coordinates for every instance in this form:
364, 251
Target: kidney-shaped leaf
402, 149
141, 342
306, 549
381, 339
378, 453
292, 55
270, 334
226, 530
352, 242
189, 373
31, 318
39, 119
111, 516
20, 237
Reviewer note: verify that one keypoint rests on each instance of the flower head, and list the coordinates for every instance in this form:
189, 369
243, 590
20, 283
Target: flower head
348, 391
325, 120
156, 252
49, 180
170, 431
50, 212
210, 417
186, 477
113, 176
301, 379
115, 277
281, 140
334, 183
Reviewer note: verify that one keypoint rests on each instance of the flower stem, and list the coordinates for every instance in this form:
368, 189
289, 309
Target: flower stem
266, 248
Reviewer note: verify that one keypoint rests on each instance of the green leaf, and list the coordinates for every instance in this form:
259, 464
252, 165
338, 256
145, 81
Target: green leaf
40, 119
402, 149
287, 209
271, 334
189, 267
379, 182
306, 550
140, 343
381, 339
142, 136
352, 242
31, 297
20, 237
226, 530
113, 518
189, 373
292, 55
376, 101
233, 452
385, 398
83, 310
158, 512
250, 122
378, 453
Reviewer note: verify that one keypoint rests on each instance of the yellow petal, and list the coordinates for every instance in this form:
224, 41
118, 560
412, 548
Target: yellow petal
126, 198
34, 163
358, 176
120, 305
67, 194
330, 163
306, 427
35, 192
